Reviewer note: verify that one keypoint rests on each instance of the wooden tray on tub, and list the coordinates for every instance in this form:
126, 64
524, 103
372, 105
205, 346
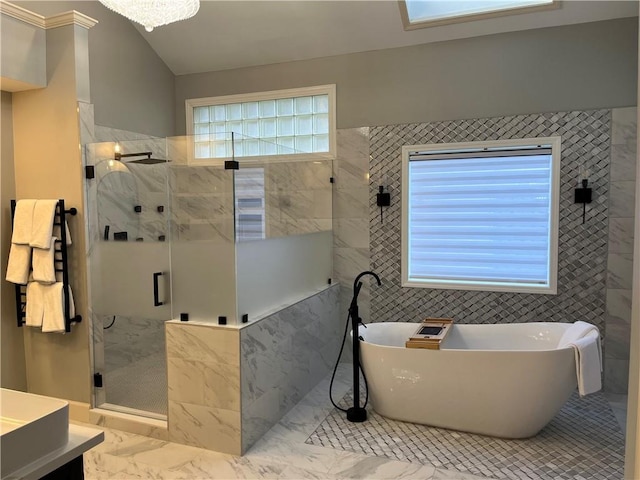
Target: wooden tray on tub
430, 333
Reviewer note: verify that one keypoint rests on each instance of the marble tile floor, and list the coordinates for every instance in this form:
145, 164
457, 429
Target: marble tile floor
280, 454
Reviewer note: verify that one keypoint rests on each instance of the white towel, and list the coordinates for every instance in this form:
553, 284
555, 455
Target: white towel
19, 264
22, 222
585, 340
35, 304
58, 234
42, 227
53, 319
43, 263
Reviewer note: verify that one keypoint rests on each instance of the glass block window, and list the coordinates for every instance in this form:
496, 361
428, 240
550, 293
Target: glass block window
285, 122
481, 215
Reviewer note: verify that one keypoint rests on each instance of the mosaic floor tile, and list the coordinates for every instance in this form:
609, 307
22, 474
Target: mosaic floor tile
583, 442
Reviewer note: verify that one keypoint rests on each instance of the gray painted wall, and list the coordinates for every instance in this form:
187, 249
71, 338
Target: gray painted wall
578, 67
131, 87
13, 373
23, 52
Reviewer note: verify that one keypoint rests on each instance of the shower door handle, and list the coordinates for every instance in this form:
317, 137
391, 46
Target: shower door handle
156, 289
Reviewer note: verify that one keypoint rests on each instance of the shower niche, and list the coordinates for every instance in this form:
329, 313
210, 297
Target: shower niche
187, 239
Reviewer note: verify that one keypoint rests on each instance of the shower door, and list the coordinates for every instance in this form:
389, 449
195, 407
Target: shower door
129, 269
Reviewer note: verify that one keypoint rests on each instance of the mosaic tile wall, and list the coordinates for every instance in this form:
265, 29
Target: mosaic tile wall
582, 256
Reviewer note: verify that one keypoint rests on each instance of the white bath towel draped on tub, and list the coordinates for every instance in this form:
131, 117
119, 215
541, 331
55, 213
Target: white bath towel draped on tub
585, 340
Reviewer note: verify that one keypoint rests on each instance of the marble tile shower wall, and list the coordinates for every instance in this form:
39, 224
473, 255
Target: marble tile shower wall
620, 258
297, 200
130, 340
201, 203
351, 216
283, 356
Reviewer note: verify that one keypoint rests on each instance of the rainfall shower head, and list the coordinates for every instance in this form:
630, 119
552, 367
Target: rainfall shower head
149, 160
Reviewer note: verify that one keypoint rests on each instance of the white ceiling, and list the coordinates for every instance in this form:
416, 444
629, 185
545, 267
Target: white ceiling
233, 34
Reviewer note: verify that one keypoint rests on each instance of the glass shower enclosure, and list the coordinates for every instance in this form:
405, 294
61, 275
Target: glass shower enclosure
175, 238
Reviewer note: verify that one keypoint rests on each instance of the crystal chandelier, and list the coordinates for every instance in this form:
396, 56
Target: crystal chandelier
154, 13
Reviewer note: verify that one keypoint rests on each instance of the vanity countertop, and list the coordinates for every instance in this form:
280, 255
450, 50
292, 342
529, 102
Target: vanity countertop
36, 437
80, 440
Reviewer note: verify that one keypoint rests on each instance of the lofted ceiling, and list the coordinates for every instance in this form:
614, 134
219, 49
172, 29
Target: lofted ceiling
237, 33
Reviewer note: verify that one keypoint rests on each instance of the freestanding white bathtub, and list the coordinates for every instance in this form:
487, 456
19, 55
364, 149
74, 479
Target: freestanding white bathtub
505, 380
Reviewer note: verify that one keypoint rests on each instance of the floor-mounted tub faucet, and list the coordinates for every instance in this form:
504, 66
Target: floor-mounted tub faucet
357, 413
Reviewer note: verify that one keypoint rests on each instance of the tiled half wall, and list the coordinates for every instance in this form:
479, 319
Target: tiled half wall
229, 386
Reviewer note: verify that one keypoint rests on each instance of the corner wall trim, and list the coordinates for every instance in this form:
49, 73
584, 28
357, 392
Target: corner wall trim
22, 14
70, 18
54, 21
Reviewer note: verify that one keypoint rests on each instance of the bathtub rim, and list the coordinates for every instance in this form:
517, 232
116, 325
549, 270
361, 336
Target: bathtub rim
496, 351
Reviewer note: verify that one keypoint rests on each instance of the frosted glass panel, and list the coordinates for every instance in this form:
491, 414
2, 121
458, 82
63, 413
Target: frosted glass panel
281, 271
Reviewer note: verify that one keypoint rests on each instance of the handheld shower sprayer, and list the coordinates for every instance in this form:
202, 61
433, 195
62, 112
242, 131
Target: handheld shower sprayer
357, 285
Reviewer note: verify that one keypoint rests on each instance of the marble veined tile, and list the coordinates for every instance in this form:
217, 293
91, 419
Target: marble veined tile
87, 123
212, 465
621, 235
349, 262
200, 180
616, 375
362, 466
150, 178
201, 343
351, 203
152, 429
296, 473
617, 341
352, 162
619, 304
620, 270
164, 455
623, 125
279, 450
351, 232
623, 162
199, 426
622, 199
99, 466
213, 385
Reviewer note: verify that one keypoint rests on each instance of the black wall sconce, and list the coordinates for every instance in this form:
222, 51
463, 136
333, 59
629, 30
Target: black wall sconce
383, 199
583, 196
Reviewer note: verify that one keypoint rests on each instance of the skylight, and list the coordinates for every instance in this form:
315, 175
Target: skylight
421, 13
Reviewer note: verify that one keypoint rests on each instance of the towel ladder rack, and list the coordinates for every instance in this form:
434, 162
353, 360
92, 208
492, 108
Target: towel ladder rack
61, 265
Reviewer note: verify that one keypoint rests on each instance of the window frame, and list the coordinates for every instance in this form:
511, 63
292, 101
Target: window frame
329, 89
551, 289
470, 17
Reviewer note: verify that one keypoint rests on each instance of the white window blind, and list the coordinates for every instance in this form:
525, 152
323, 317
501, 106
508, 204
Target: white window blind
250, 204
481, 217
